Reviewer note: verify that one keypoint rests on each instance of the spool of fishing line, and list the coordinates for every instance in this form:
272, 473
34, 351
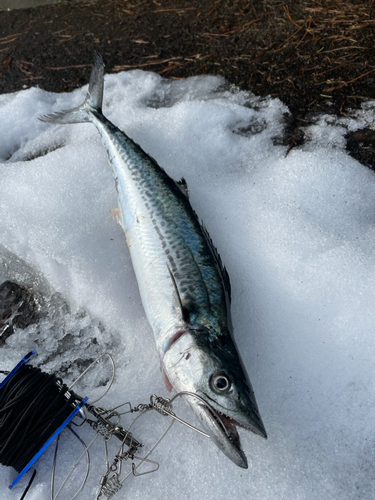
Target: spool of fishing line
34, 408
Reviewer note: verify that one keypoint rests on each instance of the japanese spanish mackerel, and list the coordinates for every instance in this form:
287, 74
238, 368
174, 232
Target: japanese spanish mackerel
181, 282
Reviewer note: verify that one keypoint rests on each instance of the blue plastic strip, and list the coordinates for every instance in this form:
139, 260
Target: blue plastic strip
45, 446
23, 361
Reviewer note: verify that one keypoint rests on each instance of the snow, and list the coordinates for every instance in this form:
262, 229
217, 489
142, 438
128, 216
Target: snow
296, 234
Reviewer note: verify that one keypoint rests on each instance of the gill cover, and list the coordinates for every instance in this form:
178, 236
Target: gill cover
215, 373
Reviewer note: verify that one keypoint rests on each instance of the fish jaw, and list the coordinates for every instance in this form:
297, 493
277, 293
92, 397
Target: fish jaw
189, 368
221, 424
223, 432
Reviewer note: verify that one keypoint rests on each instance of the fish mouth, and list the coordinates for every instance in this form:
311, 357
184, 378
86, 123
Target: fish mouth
223, 431
222, 428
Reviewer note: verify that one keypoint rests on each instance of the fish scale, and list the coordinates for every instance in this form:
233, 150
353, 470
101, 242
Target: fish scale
180, 280
173, 239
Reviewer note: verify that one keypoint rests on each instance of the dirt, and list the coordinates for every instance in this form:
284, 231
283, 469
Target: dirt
316, 56
18, 308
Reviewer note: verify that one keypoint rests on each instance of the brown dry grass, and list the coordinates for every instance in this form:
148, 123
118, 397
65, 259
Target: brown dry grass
307, 53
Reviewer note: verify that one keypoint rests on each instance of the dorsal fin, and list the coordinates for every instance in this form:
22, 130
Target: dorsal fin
223, 272
184, 311
182, 186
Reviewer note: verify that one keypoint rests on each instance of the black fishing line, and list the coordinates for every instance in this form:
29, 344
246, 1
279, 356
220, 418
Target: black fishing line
29, 484
33, 405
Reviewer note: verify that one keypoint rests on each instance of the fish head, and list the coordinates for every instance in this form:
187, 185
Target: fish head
209, 367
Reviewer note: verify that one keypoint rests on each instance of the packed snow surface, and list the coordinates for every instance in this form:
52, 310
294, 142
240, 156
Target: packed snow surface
297, 235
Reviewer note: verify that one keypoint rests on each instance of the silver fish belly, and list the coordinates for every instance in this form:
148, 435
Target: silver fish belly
180, 279
166, 243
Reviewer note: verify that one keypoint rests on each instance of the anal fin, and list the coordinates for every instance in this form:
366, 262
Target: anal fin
116, 215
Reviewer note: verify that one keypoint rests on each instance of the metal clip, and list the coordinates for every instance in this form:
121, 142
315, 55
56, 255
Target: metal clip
164, 407
109, 486
107, 428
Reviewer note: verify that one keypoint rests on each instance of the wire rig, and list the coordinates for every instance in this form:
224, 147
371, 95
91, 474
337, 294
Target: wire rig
71, 408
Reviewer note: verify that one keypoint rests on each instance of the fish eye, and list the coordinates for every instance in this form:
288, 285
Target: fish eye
220, 383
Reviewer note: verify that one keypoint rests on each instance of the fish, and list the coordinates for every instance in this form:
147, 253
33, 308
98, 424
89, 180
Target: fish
184, 287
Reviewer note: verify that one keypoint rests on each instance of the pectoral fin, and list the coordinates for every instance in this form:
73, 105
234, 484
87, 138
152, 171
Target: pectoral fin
184, 311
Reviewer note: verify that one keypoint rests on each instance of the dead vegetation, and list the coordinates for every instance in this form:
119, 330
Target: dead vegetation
312, 54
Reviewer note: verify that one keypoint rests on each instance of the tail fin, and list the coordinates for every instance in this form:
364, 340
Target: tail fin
93, 101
